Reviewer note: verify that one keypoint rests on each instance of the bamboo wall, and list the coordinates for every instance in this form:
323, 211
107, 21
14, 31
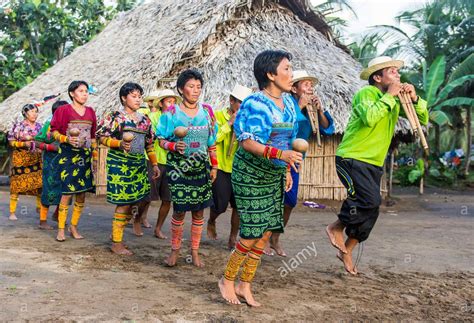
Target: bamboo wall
101, 176
318, 180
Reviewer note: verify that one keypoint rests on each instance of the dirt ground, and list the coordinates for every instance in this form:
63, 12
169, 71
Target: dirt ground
416, 266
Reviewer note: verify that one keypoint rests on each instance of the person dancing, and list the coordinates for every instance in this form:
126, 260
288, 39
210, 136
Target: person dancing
188, 160
74, 126
361, 154
26, 173
265, 126
127, 174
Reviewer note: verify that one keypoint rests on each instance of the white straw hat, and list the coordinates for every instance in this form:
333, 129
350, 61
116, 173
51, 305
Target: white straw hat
300, 75
379, 63
152, 96
161, 94
240, 92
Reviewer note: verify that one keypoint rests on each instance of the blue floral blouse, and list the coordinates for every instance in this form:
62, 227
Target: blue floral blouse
257, 114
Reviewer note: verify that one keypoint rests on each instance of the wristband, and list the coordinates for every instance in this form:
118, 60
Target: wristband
17, 144
59, 137
168, 145
274, 153
265, 152
212, 150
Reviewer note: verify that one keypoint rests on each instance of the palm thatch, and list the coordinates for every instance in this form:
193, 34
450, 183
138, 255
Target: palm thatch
151, 44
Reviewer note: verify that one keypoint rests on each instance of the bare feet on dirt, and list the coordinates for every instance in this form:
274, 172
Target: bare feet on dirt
335, 232
227, 289
243, 290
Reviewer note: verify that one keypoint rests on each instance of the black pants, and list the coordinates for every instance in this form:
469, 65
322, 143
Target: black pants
360, 210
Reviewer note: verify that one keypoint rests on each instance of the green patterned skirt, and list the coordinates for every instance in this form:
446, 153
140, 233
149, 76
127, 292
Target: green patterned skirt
74, 165
190, 182
259, 187
127, 177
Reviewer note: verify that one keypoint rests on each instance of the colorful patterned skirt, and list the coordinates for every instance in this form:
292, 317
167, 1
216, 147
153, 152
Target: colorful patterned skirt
127, 177
75, 169
189, 181
51, 194
26, 172
259, 187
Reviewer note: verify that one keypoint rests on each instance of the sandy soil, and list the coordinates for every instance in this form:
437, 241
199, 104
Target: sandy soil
416, 266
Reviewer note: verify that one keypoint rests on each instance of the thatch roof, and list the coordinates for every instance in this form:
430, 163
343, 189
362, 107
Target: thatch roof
221, 38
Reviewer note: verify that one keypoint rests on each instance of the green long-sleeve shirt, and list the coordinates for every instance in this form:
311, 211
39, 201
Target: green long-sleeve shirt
372, 124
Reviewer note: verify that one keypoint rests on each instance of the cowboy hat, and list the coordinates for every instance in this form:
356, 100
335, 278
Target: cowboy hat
161, 94
300, 75
152, 96
379, 63
240, 92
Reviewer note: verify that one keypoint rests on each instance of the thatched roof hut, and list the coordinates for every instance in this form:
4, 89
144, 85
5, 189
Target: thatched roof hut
157, 40
220, 37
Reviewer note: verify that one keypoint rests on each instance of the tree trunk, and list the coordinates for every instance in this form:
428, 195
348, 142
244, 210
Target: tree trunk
437, 140
469, 140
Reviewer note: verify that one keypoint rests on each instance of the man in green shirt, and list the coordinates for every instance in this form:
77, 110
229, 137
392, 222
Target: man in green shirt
226, 147
361, 154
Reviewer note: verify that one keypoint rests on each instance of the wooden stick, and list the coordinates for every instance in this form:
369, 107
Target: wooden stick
423, 141
408, 113
314, 120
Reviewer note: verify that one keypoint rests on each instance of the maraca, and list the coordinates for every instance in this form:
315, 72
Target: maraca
75, 132
300, 145
128, 137
180, 132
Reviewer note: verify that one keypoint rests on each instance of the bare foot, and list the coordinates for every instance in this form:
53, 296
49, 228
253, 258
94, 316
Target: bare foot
137, 229
146, 224
60, 237
268, 250
120, 249
12, 217
172, 258
347, 261
278, 249
231, 242
336, 236
160, 234
44, 226
196, 259
243, 290
227, 289
74, 233
211, 230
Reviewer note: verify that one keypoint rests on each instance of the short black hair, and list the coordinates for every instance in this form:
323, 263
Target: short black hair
267, 62
58, 104
376, 73
185, 76
74, 85
26, 108
128, 88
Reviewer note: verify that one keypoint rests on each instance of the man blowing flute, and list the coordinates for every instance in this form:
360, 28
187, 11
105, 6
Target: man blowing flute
361, 154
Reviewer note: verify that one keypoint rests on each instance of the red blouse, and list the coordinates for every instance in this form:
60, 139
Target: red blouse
66, 118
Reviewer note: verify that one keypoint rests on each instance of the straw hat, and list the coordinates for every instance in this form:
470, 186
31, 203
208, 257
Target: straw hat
161, 94
379, 63
240, 92
152, 96
300, 75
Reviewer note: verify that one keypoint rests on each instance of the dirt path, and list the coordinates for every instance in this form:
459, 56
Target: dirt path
417, 265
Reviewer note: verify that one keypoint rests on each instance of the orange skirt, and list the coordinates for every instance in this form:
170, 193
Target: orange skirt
26, 174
